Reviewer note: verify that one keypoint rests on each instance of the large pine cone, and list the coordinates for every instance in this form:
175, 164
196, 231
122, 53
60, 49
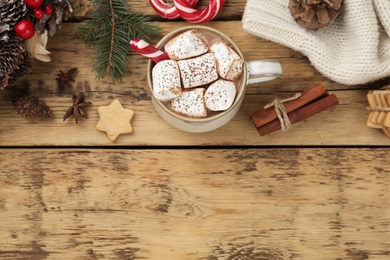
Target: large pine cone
12, 11
22, 70
13, 59
315, 14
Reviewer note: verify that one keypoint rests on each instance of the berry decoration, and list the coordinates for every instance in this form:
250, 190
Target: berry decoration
33, 3
25, 29
38, 13
48, 9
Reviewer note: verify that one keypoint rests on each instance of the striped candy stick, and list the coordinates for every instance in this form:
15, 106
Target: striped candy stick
148, 50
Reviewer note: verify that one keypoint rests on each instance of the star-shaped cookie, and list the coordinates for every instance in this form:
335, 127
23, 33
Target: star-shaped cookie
115, 120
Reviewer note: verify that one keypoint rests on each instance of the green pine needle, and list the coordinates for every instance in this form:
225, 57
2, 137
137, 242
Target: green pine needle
109, 30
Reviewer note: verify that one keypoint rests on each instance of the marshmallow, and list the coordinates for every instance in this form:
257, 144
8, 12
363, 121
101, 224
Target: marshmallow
229, 63
166, 80
186, 45
198, 71
190, 103
220, 95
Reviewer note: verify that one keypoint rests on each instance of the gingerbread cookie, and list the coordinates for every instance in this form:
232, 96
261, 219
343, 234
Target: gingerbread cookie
115, 120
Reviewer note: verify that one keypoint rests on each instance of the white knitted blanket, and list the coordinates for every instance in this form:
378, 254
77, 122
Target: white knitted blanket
354, 49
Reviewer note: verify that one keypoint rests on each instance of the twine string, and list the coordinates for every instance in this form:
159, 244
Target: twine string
281, 111
378, 108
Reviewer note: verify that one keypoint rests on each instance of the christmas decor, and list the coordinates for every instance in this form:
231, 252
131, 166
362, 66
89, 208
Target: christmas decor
48, 9
24, 68
15, 63
64, 78
11, 12
148, 50
198, 16
185, 9
23, 34
379, 110
38, 13
281, 114
167, 10
36, 46
115, 120
315, 14
34, 3
55, 11
32, 107
25, 29
77, 108
110, 29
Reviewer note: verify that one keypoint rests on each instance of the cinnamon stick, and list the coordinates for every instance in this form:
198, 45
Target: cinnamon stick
301, 114
266, 115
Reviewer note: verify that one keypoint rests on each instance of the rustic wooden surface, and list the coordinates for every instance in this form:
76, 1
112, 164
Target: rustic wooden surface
344, 124
164, 204
67, 192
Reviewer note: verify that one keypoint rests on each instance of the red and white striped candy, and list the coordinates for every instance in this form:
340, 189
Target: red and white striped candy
192, 15
148, 50
167, 10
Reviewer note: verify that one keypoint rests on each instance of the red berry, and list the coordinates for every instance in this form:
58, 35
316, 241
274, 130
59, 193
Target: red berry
48, 9
34, 3
38, 13
25, 29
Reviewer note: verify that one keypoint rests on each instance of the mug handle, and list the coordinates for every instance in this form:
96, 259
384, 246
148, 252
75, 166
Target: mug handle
261, 71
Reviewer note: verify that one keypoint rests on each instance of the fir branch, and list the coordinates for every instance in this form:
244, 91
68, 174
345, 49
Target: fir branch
109, 30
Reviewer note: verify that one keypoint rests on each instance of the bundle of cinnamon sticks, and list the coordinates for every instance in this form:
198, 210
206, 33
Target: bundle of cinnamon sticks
306, 104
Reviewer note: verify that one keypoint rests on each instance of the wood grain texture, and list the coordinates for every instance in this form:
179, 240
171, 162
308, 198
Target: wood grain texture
195, 204
201, 203
342, 126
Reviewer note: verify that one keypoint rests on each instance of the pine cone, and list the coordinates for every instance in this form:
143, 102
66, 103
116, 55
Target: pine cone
315, 14
32, 107
51, 22
23, 69
11, 56
12, 11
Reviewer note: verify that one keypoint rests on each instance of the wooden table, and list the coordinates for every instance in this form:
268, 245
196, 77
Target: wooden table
317, 191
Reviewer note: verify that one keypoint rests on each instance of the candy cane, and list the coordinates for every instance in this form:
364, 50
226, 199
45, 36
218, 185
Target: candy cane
192, 15
167, 10
148, 50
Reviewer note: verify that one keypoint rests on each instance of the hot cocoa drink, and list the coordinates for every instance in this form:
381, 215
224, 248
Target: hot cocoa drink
202, 76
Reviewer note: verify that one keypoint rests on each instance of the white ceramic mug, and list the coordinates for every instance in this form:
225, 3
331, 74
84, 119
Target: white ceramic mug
253, 72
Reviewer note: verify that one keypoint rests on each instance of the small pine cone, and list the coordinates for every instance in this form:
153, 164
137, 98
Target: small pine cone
51, 22
315, 14
12, 11
32, 107
12, 54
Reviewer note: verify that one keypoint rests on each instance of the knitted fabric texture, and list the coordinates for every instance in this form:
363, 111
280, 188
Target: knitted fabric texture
354, 49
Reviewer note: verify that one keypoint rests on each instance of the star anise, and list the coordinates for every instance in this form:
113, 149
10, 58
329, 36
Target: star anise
77, 109
64, 78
